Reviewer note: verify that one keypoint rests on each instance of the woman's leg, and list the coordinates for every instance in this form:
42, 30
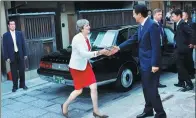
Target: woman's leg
94, 97
71, 97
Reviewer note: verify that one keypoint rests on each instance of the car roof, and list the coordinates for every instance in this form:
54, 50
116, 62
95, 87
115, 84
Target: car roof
117, 28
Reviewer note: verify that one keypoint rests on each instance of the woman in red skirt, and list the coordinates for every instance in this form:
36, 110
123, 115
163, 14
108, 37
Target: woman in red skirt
80, 68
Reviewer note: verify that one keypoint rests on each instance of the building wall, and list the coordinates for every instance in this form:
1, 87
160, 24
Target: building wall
67, 9
3, 28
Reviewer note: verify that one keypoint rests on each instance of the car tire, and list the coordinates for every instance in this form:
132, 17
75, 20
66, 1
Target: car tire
125, 79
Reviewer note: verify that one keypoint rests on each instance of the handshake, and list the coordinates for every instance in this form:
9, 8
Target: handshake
109, 50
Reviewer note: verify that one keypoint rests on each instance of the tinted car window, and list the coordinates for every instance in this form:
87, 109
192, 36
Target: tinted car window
170, 35
122, 36
102, 38
132, 31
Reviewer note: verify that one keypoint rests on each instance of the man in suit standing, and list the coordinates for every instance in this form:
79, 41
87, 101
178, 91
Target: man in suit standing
14, 53
183, 38
191, 62
148, 36
157, 15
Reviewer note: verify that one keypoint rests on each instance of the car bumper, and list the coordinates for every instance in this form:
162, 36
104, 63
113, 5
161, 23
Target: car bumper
60, 77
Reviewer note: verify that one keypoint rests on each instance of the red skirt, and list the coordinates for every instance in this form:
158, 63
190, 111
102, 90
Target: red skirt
84, 78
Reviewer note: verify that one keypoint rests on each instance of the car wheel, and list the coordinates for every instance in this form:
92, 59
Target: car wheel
124, 79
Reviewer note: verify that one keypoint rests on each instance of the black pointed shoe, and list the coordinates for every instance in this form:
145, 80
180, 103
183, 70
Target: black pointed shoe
98, 116
144, 115
180, 84
24, 87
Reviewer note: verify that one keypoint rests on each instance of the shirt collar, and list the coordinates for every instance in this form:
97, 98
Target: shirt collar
156, 21
12, 31
144, 21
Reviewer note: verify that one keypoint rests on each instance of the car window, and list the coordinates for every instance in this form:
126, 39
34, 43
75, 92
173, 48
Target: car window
170, 35
122, 36
132, 32
102, 38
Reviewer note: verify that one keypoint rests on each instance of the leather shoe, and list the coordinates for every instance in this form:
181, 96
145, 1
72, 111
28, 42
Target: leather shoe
180, 85
161, 86
143, 115
14, 90
24, 87
187, 88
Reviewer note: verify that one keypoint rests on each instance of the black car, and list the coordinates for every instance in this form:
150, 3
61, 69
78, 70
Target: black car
121, 69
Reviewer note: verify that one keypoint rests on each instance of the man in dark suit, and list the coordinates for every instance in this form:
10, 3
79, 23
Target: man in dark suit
157, 15
148, 36
183, 38
14, 53
191, 62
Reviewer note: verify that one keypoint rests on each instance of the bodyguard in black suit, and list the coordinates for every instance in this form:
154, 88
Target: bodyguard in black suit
191, 62
148, 36
14, 53
183, 38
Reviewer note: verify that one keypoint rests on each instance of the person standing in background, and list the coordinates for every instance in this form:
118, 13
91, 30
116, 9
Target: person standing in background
157, 16
14, 52
191, 71
183, 38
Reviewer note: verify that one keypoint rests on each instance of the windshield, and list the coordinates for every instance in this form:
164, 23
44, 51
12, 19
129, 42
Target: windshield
102, 38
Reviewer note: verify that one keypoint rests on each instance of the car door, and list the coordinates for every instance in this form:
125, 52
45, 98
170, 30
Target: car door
168, 49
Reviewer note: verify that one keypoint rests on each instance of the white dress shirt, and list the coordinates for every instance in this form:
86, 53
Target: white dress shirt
13, 34
160, 34
144, 21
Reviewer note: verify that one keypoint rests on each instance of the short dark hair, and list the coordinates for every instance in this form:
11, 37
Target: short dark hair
141, 8
11, 20
177, 12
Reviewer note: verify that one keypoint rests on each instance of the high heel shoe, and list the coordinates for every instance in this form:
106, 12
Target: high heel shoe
66, 114
98, 116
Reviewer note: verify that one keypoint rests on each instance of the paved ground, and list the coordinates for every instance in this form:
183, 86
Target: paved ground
43, 100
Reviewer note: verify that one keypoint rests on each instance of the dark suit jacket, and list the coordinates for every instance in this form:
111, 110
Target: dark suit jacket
183, 37
193, 26
149, 45
8, 46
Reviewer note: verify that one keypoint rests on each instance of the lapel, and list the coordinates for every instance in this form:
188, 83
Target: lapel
177, 27
84, 40
9, 34
144, 29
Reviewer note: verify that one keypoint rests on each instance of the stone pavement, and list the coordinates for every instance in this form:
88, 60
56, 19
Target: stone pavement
6, 87
43, 100
177, 104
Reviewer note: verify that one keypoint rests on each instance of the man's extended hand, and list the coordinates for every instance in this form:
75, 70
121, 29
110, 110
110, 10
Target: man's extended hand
114, 49
155, 69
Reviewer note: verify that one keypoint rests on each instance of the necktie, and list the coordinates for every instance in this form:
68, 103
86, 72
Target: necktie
161, 32
88, 44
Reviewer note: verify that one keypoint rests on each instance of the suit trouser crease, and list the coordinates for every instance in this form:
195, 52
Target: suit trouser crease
183, 67
191, 63
150, 89
16, 65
